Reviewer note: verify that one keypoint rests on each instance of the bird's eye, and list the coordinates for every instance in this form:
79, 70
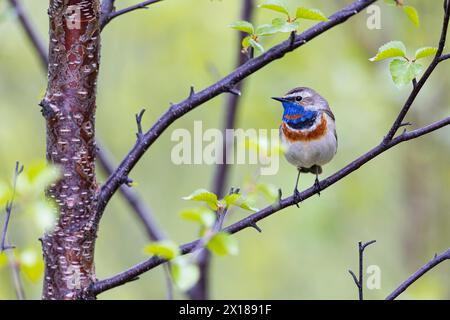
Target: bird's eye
299, 98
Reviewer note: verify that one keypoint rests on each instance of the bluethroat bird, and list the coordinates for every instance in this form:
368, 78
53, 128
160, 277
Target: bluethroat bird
307, 132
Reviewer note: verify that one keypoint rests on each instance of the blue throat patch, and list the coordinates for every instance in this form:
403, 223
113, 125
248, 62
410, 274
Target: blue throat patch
305, 120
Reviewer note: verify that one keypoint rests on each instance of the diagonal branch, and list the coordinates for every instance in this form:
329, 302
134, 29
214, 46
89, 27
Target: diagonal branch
222, 86
418, 86
419, 273
107, 7
109, 12
248, 222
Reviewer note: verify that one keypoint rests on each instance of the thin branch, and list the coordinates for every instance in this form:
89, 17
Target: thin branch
248, 222
419, 273
139, 117
30, 31
6, 246
222, 86
110, 15
418, 86
107, 8
8, 208
360, 280
169, 281
15, 273
445, 57
200, 290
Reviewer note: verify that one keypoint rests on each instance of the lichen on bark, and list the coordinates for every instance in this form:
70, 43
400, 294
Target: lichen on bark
69, 109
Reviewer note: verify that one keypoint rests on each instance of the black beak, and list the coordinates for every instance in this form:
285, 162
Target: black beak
279, 99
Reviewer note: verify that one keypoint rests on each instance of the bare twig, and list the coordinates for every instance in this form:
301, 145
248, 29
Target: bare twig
222, 86
169, 281
15, 273
109, 15
419, 273
139, 123
6, 246
8, 208
360, 280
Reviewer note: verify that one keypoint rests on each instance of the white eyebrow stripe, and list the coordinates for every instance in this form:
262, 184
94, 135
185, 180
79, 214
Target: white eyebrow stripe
292, 95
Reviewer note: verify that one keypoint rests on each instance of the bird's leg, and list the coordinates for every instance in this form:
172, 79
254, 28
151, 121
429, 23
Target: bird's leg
316, 182
296, 192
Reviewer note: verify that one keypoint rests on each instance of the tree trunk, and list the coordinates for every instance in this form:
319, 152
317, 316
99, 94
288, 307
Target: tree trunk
69, 110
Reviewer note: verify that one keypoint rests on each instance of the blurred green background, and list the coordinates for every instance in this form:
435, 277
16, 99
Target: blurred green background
151, 57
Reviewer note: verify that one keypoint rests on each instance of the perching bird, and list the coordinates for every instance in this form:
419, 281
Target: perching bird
307, 132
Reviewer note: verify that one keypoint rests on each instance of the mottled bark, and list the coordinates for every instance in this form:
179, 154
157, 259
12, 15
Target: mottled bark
69, 110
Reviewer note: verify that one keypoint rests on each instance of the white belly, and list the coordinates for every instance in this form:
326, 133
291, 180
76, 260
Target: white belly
307, 154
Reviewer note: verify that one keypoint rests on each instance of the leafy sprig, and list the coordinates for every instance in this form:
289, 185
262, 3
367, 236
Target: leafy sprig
403, 69
287, 24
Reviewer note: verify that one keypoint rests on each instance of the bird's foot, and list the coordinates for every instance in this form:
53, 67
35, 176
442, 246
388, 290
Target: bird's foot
297, 197
317, 186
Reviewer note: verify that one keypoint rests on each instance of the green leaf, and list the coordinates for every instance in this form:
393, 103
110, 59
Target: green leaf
403, 72
201, 215
237, 200
256, 45
425, 52
223, 244
390, 50
310, 14
184, 274
412, 14
281, 25
246, 42
266, 29
275, 5
205, 196
243, 26
166, 249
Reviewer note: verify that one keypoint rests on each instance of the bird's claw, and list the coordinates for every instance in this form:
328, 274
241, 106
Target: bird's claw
317, 187
296, 197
